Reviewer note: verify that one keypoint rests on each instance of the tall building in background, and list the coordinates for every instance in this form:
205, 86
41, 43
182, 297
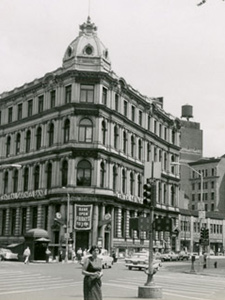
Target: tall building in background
191, 150
82, 135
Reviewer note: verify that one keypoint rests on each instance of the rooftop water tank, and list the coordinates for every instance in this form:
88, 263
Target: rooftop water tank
187, 111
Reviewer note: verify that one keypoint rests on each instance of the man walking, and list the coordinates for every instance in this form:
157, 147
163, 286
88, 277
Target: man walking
26, 255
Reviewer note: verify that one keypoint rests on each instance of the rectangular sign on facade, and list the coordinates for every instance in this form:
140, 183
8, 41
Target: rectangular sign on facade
83, 217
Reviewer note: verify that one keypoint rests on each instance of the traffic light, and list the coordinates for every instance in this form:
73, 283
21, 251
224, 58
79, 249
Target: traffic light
202, 233
149, 194
158, 224
167, 224
206, 233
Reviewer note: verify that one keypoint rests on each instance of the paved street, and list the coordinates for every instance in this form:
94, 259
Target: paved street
40, 281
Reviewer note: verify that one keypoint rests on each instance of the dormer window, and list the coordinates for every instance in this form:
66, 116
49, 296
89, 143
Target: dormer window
69, 51
88, 50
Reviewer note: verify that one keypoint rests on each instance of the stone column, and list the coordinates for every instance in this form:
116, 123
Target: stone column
95, 225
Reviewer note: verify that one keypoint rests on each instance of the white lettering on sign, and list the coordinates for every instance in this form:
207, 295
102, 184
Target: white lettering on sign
22, 195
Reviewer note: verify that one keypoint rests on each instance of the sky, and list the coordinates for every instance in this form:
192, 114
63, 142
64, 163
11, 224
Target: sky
163, 48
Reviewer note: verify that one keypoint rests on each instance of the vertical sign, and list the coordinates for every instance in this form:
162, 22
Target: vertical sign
83, 217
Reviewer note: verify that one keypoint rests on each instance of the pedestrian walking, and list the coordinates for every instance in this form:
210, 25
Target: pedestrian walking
92, 271
47, 254
79, 254
26, 255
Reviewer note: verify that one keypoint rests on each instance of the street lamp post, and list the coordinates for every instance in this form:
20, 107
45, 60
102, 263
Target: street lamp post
200, 209
67, 227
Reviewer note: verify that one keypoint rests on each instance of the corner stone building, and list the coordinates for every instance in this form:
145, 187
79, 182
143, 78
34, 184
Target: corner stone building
83, 136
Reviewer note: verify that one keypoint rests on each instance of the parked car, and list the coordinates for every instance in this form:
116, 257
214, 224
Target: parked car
140, 260
107, 261
6, 254
183, 255
169, 256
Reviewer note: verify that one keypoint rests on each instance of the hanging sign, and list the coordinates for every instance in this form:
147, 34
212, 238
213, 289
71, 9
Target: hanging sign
83, 217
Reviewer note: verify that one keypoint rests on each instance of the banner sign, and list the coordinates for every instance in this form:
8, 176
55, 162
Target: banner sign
83, 217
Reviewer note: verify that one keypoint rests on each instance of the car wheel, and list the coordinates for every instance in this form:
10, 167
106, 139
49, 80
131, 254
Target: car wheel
130, 268
1, 258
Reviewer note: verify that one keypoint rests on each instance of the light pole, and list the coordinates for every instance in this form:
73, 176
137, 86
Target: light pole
201, 208
67, 226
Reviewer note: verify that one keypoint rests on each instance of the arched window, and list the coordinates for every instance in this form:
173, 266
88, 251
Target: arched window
124, 142
173, 136
102, 175
8, 145
84, 173
139, 149
123, 181
103, 132
25, 179
172, 166
39, 134
15, 181
114, 178
65, 173
165, 161
18, 143
49, 175
36, 177
28, 136
67, 131
51, 135
148, 152
132, 146
139, 185
6, 182
131, 183
172, 196
85, 131
115, 137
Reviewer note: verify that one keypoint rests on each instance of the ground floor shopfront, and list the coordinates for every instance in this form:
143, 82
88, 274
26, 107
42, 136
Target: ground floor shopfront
89, 220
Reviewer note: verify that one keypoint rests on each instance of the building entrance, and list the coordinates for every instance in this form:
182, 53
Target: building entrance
82, 240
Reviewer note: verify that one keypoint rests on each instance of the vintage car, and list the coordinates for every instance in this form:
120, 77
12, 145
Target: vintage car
107, 261
6, 254
169, 256
139, 260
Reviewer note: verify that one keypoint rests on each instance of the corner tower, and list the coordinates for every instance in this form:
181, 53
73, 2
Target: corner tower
87, 52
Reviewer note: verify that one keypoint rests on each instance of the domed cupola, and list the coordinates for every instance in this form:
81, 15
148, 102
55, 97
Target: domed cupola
87, 52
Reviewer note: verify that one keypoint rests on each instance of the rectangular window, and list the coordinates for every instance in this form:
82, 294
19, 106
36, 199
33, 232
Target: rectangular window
10, 114
34, 217
52, 99
133, 113
116, 102
23, 220
155, 127
87, 93
30, 108
140, 118
104, 96
165, 134
20, 111
68, 94
212, 196
13, 221
40, 104
212, 207
125, 108
193, 197
193, 186
3, 223
149, 123
212, 185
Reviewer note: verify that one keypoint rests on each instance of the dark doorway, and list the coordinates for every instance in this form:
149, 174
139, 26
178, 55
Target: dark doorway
82, 240
107, 241
39, 250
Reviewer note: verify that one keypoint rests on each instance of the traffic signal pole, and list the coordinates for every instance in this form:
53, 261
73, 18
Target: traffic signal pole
150, 289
